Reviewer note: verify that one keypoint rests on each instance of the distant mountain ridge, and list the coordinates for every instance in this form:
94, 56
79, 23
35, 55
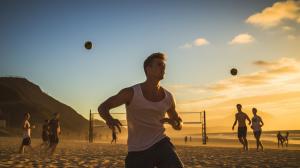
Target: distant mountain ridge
18, 95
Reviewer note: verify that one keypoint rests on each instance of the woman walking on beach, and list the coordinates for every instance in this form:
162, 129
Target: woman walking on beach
257, 123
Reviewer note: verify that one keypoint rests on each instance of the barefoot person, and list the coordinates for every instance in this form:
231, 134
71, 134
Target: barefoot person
146, 105
280, 139
257, 123
26, 142
45, 135
54, 131
241, 117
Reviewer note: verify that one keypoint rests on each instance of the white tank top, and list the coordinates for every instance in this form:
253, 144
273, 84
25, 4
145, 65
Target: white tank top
143, 119
26, 132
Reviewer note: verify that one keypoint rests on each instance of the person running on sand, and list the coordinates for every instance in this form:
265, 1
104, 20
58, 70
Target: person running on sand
146, 106
257, 123
241, 117
26, 142
54, 131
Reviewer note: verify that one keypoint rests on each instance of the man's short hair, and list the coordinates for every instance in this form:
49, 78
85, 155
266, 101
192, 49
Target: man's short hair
150, 59
254, 109
239, 105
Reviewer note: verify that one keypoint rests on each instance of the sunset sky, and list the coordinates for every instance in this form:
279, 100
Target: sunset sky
203, 40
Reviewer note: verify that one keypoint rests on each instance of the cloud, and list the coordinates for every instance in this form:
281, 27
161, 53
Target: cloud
197, 43
186, 45
201, 42
242, 39
273, 16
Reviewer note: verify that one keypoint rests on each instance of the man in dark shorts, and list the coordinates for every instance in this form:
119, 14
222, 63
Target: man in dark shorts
146, 106
54, 131
26, 142
241, 117
45, 135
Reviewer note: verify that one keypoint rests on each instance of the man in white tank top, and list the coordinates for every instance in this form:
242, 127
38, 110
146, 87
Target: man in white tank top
26, 134
257, 123
146, 106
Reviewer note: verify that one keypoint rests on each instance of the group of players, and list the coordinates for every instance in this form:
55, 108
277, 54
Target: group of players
50, 134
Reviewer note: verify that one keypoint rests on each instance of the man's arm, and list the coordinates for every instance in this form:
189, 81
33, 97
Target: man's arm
174, 118
248, 119
262, 123
123, 97
234, 122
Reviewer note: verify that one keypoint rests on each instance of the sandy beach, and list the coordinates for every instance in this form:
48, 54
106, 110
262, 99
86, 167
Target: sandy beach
82, 154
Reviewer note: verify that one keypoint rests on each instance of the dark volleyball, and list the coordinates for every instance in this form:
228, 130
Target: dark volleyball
233, 71
88, 45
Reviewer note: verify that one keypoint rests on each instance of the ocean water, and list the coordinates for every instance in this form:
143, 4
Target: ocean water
294, 135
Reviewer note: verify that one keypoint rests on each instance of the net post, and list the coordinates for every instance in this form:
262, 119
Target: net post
91, 128
204, 128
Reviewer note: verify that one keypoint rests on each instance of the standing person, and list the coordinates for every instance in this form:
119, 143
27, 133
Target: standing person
114, 136
146, 106
241, 117
286, 138
185, 139
257, 123
26, 142
279, 139
45, 135
54, 131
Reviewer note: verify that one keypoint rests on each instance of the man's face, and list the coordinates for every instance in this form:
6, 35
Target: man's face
239, 108
254, 112
157, 69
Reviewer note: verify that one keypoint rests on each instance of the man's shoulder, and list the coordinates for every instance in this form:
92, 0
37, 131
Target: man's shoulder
167, 91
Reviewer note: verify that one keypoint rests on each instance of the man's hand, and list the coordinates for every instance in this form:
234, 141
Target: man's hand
175, 123
112, 123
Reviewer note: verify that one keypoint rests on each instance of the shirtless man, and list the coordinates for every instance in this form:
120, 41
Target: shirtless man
241, 117
146, 106
54, 132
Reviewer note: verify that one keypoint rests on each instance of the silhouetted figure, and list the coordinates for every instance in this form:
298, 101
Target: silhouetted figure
280, 139
241, 117
286, 139
54, 131
146, 105
190, 138
45, 135
26, 142
257, 123
185, 139
114, 136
